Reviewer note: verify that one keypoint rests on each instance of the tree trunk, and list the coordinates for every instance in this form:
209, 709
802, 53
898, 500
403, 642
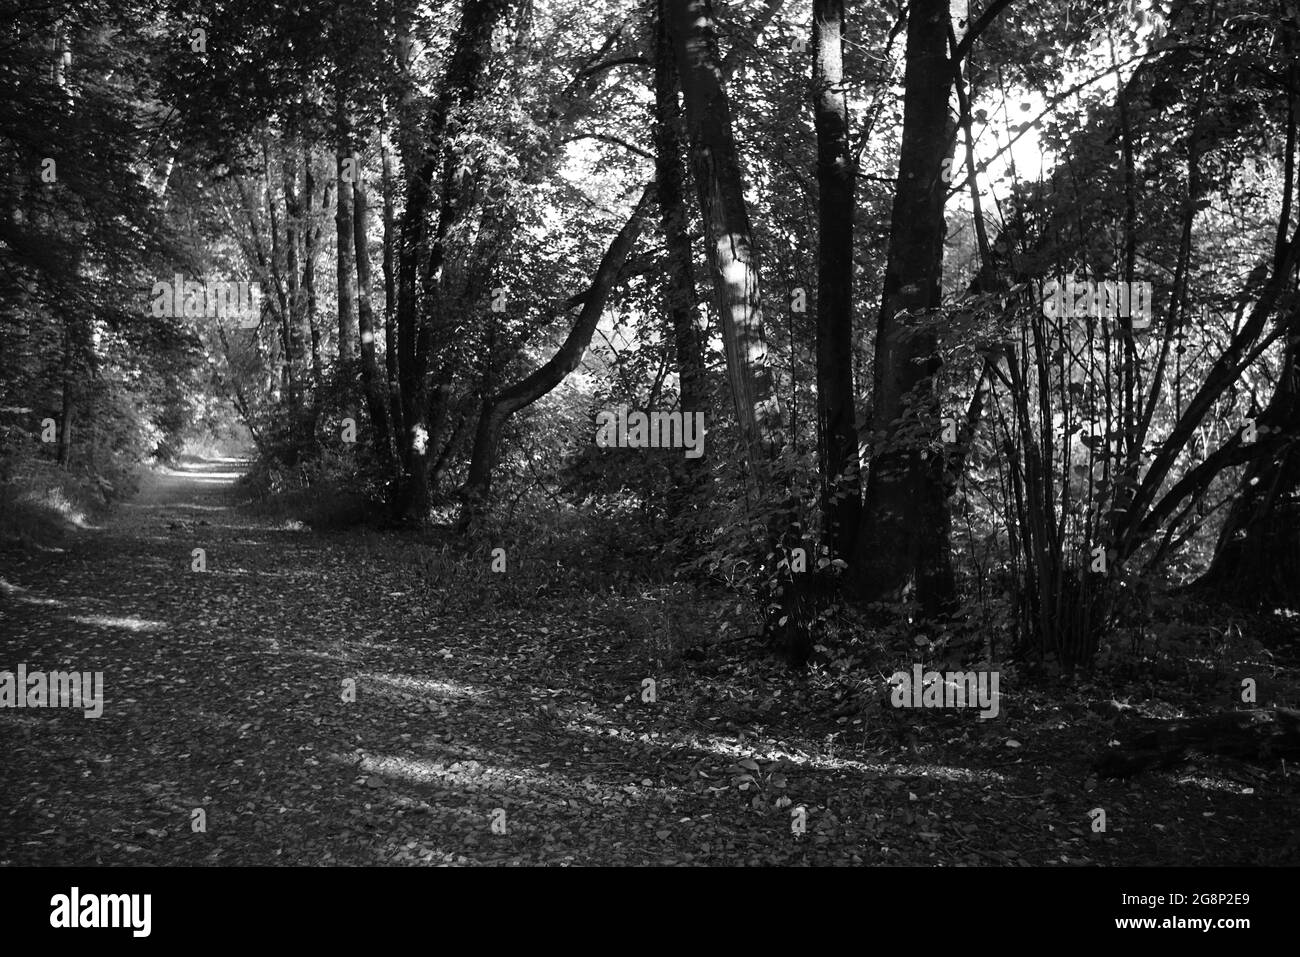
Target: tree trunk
390, 290
837, 434
69, 401
293, 221
344, 233
591, 301
679, 277
459, 88
311, 248
903, 537
498, 408
371, 378
1257, 557
733, 260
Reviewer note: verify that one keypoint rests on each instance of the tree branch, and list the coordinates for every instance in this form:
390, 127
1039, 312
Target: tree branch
979, 26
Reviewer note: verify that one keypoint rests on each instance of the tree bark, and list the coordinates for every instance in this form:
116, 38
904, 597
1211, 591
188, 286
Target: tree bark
679, 275
460, 87
903, 537
390, 290
837, 434
293, 221
68, 397
344, 233
498, 408
1257, 557
733, 260
592, 302
371, 378
311, 247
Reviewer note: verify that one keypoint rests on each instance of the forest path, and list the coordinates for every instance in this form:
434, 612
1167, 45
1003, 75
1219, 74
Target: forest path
223, 693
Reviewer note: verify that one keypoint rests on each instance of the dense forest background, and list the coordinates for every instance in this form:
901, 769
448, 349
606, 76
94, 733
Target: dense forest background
479, 229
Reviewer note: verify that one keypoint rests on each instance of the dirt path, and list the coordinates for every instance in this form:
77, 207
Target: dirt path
185, 492
223, 693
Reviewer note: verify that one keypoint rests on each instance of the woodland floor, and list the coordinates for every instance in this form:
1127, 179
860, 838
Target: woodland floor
223, 692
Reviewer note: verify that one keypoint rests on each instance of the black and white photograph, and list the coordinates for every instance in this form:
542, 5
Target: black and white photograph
630, 434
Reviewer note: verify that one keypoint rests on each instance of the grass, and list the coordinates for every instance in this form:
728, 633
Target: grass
40, 504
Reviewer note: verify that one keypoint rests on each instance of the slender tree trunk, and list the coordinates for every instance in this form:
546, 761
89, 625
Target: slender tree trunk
311, 248
343, 231
69, 399
283, 295
903, 537
371, 377
837, 434
293, 223
390, 290
733, 260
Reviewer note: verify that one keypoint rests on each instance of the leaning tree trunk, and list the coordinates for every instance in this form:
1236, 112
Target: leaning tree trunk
729, 241
735, 274
495, 412
500, 406
1257, 558
904, 533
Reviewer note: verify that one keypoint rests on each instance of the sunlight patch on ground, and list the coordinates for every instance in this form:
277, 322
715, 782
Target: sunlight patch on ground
1220, 784
311, 653
19, 593
825, 762
738, 752
425, 686
467, 772
108, 621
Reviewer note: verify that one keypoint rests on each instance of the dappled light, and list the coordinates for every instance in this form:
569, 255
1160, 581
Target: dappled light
648, 433
128, 624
